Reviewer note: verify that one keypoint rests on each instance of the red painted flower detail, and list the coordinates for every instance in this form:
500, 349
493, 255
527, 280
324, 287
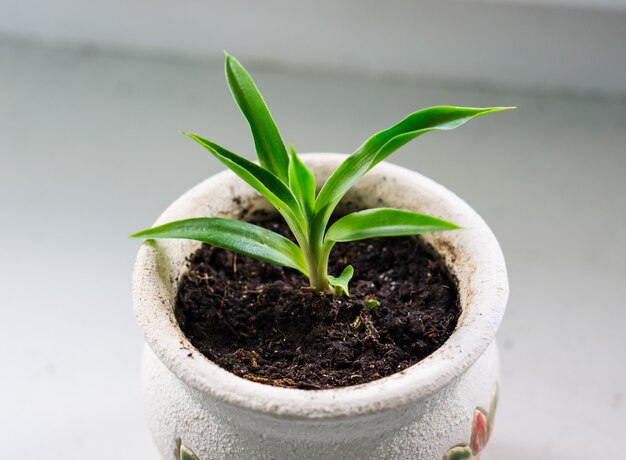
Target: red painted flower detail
480, 434
481, 431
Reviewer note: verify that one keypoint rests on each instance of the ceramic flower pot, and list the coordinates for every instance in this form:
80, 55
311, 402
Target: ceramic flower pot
440, 408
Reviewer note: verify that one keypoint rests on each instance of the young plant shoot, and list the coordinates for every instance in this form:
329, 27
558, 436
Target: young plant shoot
289, 185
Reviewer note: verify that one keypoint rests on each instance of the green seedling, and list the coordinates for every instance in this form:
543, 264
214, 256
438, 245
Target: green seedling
290, 186
370, 304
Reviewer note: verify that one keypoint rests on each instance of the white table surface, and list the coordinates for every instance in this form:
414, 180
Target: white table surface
90, 152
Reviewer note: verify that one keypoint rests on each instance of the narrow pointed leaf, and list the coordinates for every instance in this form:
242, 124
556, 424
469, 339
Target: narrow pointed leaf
383, 144
269, 145
340, 283
263, 181
302, 182
234, 235
379, 222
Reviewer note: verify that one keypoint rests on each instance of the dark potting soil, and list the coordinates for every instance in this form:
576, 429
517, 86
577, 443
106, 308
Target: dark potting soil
261, 322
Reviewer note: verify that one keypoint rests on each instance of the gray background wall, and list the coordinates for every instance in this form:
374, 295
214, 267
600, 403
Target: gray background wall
577, 44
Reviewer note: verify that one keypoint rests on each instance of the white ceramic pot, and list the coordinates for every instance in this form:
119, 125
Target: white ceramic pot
442, 407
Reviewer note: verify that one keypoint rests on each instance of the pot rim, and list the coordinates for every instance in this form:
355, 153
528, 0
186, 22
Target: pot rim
482, 312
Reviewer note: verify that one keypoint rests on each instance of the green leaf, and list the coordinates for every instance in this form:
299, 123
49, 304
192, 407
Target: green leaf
378, 222
340, 283
234, 235
269, 145
383, 144
371, 304
263, 181
301, 182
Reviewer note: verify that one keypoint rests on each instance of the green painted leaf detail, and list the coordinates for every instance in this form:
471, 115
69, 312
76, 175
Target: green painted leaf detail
269, 145
234, 235
186, 453
384, 143
459, 453
263, 181
379, 222
301, 182
492, 410
340, 283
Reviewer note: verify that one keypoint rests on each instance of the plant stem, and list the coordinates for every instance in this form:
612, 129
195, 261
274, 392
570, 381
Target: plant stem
317, 253
318, 276
319, 282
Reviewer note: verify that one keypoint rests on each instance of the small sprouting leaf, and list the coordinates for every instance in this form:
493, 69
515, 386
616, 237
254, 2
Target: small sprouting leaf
263, 181
379, 222
234, 235
370, 304
340, 283
301, 182
269, 145
383, 144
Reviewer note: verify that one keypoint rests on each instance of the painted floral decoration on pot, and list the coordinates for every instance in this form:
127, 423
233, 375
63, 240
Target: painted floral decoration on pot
482, 427
183, 452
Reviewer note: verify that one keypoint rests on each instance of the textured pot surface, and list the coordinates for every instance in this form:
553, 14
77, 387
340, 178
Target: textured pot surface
442, 407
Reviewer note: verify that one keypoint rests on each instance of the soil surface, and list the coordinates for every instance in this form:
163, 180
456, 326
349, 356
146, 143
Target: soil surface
260, 322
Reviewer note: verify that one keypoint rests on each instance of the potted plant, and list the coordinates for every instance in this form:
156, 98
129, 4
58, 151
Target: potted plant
255, 350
